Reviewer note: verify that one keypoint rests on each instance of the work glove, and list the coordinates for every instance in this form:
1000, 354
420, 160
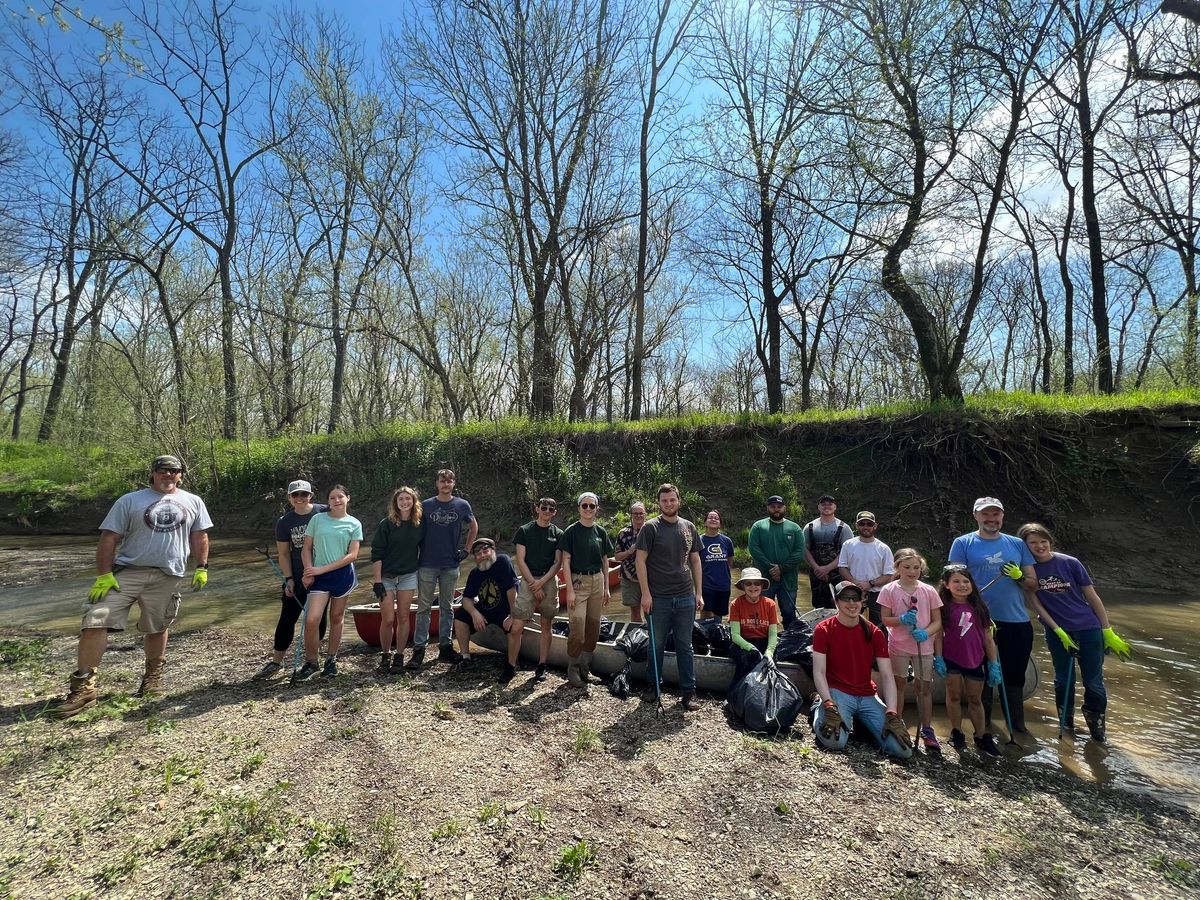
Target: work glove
200, 578
101, 586
894, 725
462, 554
1013, 571
920, 635
1066, 639
909, 618
377, 590
939, 666
1115, 644
994, 675
832, 723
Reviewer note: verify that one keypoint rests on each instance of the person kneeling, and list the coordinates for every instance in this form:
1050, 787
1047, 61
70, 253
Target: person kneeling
488, 599
753, 624
844, 647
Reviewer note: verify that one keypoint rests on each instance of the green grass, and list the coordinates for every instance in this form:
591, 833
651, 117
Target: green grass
24, 654
448, 829
574, 858
587, 740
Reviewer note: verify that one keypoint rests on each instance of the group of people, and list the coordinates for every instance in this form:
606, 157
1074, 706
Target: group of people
973, 629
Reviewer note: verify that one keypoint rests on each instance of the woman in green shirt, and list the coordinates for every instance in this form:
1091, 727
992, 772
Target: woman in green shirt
585, 547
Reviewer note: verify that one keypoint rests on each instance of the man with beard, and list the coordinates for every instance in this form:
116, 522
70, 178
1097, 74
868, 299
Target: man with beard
823, 539
777, 548
437, 571
488, 599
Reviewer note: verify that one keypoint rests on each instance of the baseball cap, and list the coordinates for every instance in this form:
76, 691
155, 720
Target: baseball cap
165, 461
846, 587
864, 516
825, 497
300, 486
483, 542
774, 498
985, 502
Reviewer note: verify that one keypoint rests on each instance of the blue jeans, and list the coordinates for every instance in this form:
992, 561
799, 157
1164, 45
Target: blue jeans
1091, 669
676, 614
444, 581
867, 710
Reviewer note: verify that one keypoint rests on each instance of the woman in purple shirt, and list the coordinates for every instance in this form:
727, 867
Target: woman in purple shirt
1076, 626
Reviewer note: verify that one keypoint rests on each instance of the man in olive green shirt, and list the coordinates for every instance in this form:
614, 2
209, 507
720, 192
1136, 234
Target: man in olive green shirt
538, 561
777, 548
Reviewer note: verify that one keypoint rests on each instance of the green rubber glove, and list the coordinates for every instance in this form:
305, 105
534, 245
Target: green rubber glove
101, 586
1066, 639
200, 579
1013, 571
1115, 644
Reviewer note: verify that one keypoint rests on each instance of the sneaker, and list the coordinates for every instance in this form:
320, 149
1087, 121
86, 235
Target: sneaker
508, 673
330, 669
81, 696
270, 667
418, 657
958, 740
987, 745
462, 662
929, 740
539, 674
385, 664
689, 702
1095, 724
152, 680
305, 673
446, 654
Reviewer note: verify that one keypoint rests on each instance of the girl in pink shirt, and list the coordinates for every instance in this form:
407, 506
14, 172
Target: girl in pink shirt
912, 612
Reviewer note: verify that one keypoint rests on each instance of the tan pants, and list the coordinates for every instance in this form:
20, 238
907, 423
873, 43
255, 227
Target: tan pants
585, 617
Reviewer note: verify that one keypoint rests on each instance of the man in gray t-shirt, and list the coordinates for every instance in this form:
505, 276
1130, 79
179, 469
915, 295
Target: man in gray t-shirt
669, 573
144, 542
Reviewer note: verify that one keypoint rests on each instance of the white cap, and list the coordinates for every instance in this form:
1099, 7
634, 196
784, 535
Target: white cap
300, 485
986, 502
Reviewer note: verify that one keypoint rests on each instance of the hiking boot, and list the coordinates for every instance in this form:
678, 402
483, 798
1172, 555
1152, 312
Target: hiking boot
418, 657
958, 740
1016, 707
446, 654
81, 695
650, 695
1095, 724
385, 664
929, 740
152, 679
397, 664
539, 673
270, 667
508, 673
306, 672
689, 702
462, 662
585, 667
573, 676
330, 669
987, 744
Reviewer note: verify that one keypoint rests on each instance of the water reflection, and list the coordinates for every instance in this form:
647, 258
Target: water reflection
1153, 721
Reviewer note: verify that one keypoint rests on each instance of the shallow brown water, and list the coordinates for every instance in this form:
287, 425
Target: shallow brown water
1153, 717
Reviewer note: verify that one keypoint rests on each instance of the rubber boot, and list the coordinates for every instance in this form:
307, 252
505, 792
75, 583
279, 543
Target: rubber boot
152, 680
81, 696
1095, 724
1016, 707
573, 675
585, 667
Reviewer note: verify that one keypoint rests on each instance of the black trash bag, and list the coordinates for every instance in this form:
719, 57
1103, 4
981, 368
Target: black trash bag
717, 635
700, 642
766, 700
795, 646
608, 630
619, 686
560, 627
635, 643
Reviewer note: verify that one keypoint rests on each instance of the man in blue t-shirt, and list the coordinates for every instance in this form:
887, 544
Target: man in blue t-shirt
441, 552
1002, 568
489, 598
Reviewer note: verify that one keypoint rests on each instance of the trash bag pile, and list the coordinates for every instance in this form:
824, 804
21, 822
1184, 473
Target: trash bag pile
795, 646
766, 700
635, 643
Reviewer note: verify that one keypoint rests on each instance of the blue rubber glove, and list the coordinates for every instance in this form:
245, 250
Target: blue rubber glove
920, 635
994, 675
939, 666
909, 618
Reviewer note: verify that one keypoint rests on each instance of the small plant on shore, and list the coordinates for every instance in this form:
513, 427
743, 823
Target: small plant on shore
783, 809
491, 812
392, 882
349, 733
27, 655
114, 707
573, 859
234, 830
537, 815
116, 872
1176, 871
156, 725
587, 740
252, 764
325, 836
340, 876
448, 829
177, 769
442, 711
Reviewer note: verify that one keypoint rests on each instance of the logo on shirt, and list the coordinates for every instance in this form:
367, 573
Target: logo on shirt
298, 532
995, 559
1054, 585
165, 515
965, 623
444, 517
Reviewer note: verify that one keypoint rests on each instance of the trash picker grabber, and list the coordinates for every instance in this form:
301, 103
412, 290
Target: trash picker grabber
1068, 702
1003, 692
274, 565
654, 663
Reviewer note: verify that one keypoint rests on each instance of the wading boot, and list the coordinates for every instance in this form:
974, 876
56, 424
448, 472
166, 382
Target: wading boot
585, 667
1095, 724
81, 696
152, 680
418, 657
1016, 707
573, 675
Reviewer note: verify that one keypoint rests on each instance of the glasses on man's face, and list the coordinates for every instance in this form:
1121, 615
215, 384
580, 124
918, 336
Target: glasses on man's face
169, 471
304, 494
546, 508
587, 505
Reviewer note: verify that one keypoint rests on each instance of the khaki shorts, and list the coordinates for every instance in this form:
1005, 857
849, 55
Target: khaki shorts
526, 603
631, 592
922, 665
152, 589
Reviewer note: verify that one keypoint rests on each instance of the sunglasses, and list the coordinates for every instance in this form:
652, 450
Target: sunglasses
850, 599
546, 508
169, 471
587, 505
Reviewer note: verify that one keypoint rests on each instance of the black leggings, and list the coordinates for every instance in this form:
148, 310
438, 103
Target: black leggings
289, 613
1014, 645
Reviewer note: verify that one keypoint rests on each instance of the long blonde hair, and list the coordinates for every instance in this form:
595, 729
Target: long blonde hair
394, 511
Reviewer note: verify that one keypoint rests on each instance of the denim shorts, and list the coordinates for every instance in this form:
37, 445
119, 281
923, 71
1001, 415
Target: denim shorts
400, 582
